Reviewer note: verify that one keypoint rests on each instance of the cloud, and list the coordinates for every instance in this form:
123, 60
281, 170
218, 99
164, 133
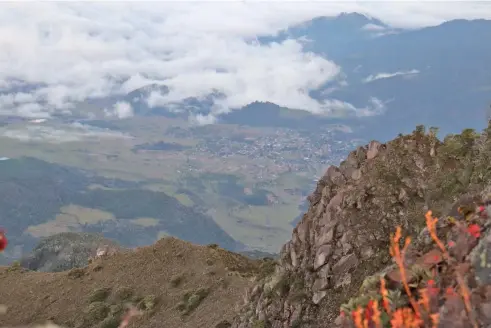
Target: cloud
200, 119
380, 76
58, 134
373, 27
58, 54
121, 109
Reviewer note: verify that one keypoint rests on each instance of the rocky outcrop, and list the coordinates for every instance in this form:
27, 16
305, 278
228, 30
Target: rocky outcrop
65, 251
344, 236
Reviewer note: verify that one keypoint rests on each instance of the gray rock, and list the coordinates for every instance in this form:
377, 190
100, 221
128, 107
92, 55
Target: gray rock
373, 149
67, 250
322, 255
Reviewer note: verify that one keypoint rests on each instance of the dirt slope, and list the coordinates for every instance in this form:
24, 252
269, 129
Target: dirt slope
155, 278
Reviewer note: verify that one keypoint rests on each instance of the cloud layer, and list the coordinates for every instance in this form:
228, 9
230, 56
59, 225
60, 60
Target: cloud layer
55, 55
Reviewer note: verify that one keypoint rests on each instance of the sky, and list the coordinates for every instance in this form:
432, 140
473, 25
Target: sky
55, 55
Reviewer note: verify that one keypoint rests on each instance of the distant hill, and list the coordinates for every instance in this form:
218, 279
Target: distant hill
34, 193
65, 251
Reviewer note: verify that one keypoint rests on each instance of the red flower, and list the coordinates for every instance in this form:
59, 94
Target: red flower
474, 230
3, 241
432, 289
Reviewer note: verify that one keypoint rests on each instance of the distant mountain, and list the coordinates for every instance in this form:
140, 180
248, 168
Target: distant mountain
437, 75
145, 102
334, 36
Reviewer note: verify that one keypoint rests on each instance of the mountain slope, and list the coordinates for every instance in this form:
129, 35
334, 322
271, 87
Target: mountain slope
175, 283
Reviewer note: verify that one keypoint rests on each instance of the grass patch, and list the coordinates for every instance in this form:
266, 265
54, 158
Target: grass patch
96, 312
191, 300
123, 294
76, 273
110, 322
99, 295
266, 268
148, 303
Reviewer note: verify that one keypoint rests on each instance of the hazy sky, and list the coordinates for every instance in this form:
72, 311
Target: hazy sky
71, 51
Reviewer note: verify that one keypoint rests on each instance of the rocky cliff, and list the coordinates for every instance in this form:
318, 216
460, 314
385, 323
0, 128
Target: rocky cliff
344, 236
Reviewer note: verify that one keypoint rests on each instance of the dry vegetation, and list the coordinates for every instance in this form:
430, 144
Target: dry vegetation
172, 283
441, 293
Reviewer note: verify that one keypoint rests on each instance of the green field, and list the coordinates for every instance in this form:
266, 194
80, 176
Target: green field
255, 212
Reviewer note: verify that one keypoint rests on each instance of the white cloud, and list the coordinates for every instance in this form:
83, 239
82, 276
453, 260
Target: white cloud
380, 76
121, 109
58, 134
74, 51
200, 119
373, 27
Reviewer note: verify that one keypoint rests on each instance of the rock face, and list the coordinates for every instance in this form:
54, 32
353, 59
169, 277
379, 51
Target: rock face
65, 251
344, 236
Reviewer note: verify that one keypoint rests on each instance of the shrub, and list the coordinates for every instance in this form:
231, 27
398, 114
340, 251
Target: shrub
110, 322
412, 308
123, 294
191, 300
176, 280
97, 311
99, 295
76, 273
148, 303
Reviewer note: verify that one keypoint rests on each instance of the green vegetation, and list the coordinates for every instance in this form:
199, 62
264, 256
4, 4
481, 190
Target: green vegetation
97, 311
123, 294
191, 300
148, 303
110, 322
35, 193
228, 186
106, 307
99, 295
